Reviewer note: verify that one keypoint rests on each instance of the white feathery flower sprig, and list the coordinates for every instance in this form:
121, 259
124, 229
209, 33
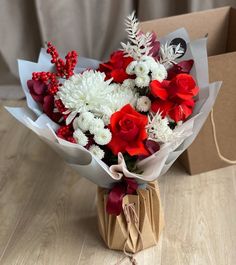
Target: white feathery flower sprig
169, 53
80, 137
158, 128
97, 151
143, 104
102, 136
139, 43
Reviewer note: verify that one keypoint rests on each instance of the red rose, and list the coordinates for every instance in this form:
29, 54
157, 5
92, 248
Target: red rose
183, 86
174, 98
128, 132
39, 92
116, 67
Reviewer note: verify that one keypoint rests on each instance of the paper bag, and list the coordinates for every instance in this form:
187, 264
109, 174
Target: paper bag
219, 26
138, 226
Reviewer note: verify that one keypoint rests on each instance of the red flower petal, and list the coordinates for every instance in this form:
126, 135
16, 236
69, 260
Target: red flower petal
128, 131
162, 106
158, 91
116, 67
137, 148
119, 75
117, 144
181, 67
37, 90
182, 111
186, 66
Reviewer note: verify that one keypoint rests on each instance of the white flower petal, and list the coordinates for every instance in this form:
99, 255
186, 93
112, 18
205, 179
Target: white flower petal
143, 104
102, 136
80, 137
97, 151
97, 124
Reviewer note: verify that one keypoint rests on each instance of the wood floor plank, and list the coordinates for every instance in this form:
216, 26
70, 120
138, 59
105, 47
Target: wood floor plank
15, 176
48, 213
200, 216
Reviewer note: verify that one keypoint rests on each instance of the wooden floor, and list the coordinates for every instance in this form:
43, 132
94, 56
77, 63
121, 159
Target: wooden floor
48, 213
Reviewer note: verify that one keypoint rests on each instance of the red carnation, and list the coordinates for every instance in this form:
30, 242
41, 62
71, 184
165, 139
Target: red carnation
116, 67
174, 98
128, 132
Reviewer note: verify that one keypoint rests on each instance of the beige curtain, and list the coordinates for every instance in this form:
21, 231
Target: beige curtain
92, 27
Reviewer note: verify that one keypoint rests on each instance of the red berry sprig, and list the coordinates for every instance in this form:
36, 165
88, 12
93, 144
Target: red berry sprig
60, 106
66, 132
49, 79
63, 69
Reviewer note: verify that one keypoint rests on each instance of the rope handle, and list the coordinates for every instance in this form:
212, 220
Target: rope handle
130, 217
222, 157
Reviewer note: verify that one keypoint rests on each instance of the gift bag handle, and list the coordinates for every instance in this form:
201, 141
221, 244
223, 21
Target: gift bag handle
222, 157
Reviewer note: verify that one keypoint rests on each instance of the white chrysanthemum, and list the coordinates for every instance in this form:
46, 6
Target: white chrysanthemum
159, 72
106, 119
143, 104
75, 124
147, 59
121, 97
85, 92
96, 124
83, 121
130, 68
141, 69
128, 83
102, 136
158, 129
115, 86
97, 151
80, 137
142, 81
89, 92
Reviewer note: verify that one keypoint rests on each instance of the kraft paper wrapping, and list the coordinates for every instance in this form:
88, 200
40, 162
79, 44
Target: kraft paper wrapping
120, 235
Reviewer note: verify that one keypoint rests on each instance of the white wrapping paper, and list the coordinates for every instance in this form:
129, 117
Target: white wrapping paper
91, 167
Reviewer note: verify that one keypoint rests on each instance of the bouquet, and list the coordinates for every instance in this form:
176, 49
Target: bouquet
125, 120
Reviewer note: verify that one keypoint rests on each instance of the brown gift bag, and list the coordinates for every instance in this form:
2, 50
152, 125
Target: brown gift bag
138, 226
216, 139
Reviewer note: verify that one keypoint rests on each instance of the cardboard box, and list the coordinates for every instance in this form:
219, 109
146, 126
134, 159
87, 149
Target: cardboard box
220, 25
